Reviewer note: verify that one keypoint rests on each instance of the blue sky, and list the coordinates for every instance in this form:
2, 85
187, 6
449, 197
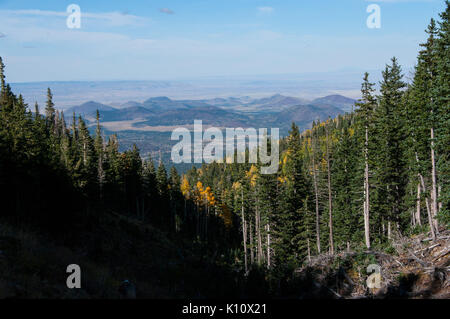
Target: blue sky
182, 39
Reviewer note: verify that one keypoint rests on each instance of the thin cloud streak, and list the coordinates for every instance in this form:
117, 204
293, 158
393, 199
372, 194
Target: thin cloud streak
111, 18
166, 11
265, 10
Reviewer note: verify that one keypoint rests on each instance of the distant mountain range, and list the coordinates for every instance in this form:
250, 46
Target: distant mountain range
89, 108
303, 115
275, 103
114, 93
273, 111
339, 101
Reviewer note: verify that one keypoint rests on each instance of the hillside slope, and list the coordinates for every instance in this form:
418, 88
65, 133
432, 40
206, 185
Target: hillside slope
118, 248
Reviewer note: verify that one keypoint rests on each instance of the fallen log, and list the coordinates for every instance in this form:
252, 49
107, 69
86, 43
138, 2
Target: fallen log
426, 248
442, 255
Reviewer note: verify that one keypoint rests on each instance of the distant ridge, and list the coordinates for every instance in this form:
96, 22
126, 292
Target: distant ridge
278, 100
126, 114
89, 108
303, 115
274, 111
336, 100
163, 103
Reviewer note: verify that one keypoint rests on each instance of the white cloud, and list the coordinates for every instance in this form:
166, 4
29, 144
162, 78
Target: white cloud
265, 10
117, 18
94, 52
42, 30
109, 18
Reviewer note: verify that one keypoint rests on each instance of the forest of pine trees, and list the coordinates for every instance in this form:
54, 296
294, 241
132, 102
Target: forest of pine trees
353, 182
57, 176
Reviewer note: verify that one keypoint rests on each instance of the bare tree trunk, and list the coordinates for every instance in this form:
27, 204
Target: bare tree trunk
434, 206
258, 257
309, 250
244, 232
268, 245
316, 191
84, 152
389, 230
252, 257
427, 204
439, 195
366, 190
430, 220
413, 212
329, 197
417, 220
258, 233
